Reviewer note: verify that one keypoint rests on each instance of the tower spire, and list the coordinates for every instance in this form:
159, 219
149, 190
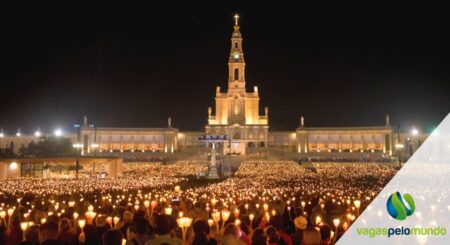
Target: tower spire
236, 63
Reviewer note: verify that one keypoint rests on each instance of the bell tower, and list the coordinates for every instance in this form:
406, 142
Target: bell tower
236, 112
236, 63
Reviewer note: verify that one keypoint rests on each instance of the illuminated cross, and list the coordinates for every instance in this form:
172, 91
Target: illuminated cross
236, 17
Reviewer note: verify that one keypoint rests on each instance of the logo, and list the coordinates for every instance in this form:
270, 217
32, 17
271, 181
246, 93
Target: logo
400, 207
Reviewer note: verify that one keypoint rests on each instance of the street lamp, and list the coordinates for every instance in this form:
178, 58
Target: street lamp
77, 146
58, 132
37, 133
414, 132
398, 147
18, 134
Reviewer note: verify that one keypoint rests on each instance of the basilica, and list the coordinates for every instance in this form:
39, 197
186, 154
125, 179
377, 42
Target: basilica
238, 119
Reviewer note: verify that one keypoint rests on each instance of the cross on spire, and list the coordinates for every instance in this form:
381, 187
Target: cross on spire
236, 17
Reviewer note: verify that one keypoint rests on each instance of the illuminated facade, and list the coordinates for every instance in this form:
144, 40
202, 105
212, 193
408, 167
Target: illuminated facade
237, 111
237, 115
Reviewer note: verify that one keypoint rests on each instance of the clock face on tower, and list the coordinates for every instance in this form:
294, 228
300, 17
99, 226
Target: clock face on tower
236, 56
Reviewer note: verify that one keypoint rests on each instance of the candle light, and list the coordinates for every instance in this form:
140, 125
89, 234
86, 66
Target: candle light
177, 189
168, 210
10, 212
216, 217
43, 220
109, 220
180, 214
225, 215
267, 217
154, 204
357, 204
116, 220
265, 207
237, 222
75, 216
81, 224
210, 223
345, 226
124, 241
147, 204
318, 220
236, 213
336, 222
24, 226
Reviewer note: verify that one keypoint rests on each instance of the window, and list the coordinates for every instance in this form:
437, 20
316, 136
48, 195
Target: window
235, 45
236, 74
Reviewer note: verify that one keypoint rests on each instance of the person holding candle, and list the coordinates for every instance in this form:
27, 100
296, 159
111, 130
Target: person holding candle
123, 225
164, 225
311, 236
48, 234
112, 237
201, 233
325, 234
31, 236
141, 232
66, 232
259, 237
231, 236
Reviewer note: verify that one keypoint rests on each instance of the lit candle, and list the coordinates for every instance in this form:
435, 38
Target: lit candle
116, 220
24, 226
81, 223
210, 223
251, 217
237, 222
345, 226
168, 210
225, 215
318, 220
267, 217
109, 220
236, 213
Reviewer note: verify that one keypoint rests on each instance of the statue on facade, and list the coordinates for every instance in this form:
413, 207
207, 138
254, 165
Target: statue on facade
85, 121
169, 122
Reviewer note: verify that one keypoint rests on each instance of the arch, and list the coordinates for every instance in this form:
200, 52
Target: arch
236, 135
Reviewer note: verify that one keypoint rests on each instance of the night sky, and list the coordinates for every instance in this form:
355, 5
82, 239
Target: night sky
133, 66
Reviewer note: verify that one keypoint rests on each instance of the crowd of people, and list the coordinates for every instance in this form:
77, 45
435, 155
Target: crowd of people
264, 202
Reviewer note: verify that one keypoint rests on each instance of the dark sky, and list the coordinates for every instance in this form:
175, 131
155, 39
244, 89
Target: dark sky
133, 66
